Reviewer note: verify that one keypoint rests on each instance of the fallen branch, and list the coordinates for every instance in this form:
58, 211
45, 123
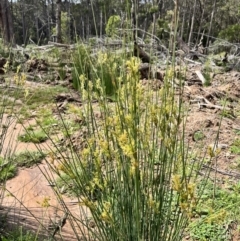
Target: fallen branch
211, 106
69, 46
231, 174
200, 76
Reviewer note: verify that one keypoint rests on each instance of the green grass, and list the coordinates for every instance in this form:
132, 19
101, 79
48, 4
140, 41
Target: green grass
7, 169
217, 208
37, 98
27, 158
198, 136
235, 147
36, 136
21, 234
204, 231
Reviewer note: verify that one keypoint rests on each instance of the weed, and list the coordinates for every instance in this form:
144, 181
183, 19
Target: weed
207, 73
209, 231
228, 114
47, 121
216, 208
7, 170
82, 65
28, 159
37, 136
235, 147
20, 234
198, 136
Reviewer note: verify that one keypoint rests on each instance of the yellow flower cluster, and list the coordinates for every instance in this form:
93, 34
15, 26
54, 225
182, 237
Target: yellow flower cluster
88, 203
102, 58
186, 192
83, 82
133, 67
20, 78
106, 213
45, 203
153, 204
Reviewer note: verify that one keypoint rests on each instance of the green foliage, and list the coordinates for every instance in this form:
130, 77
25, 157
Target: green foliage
231, 33
67, 184
228, 113
113, 23
82, 65
109, 71
163, 30
154, 9
105, 70
64, 27
207, 71
37, 98
28, 159
235, 147
131, 172
62, 73
209, 231
36, 136
20, 235
7, 169
198, 136
218, 207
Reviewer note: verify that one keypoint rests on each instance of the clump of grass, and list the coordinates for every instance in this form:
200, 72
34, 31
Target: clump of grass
207, 73
198, 136
7, 169
108, 71
19, 234
27, 158
133, 173
82, 64
235, 147
37, 136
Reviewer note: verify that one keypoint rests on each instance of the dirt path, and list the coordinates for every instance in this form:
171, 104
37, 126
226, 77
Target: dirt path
29, 200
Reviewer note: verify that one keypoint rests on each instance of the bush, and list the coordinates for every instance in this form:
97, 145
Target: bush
231, 33
132, 172
104, 71
82, 65
113, 23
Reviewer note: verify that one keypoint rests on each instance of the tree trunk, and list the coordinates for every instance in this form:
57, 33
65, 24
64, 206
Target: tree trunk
192, 23
201, 21
101, 23
48, 20
58, 21
23, 23
210, 27
37, 29
6, 24
183, 19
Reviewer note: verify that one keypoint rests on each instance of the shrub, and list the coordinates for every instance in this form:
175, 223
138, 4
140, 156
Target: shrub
132, 172
82, 65
231, 33
112, 25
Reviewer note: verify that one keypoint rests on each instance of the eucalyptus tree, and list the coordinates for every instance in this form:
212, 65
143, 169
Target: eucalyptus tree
6, 24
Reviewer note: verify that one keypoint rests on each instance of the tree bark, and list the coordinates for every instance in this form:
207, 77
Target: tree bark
58, 21
210, 27
202, 7
192, 23
6, 24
